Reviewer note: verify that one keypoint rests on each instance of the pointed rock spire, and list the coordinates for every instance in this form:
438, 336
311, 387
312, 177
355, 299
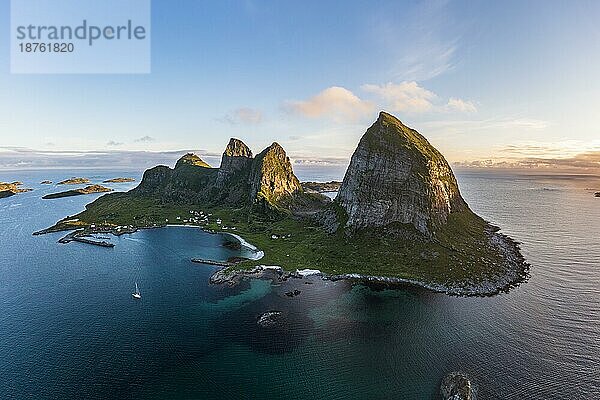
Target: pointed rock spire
272, 178
396, 175
237, 158
237, 148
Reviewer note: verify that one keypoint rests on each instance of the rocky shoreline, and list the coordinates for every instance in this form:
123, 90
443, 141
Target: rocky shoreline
10, 189
77, 236
516, 273
86, 231
516, 270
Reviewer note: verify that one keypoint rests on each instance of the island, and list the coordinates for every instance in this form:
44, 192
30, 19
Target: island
457, 386
78, 192
321, 187
398, 217
74, 181
45, 182
119, 180
10, 189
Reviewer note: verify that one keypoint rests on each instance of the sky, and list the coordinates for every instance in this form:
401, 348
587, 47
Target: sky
490, 84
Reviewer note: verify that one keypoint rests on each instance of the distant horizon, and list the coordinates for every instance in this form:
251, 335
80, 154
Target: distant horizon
481, 93
144, 159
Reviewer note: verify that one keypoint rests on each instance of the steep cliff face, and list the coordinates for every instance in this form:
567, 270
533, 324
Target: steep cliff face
154, 180
192, 180
395, 175
272, 178
398, 217
241, 180
236, 159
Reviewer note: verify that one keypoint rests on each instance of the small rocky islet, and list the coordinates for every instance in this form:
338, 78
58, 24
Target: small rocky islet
11, 189
321, 187
119, 180
457, 386
74, 181
270, 319
398, 217
92, 189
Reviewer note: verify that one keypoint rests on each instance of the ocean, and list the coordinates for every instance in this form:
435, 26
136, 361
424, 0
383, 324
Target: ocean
69, 328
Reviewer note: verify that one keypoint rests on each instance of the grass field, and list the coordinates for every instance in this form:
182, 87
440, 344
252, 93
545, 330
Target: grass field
460, 251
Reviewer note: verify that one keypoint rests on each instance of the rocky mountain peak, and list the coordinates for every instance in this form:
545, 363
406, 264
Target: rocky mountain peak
275, 148
267, 179
235, 162
272, 177
237, 148
397, 176
191, 159
384, 116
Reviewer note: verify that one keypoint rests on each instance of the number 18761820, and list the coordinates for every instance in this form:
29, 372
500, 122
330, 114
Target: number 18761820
35, 47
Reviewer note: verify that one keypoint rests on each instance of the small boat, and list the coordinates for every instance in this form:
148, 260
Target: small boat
136, 294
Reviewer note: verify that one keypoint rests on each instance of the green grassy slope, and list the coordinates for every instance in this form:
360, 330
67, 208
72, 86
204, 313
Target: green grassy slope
460, 253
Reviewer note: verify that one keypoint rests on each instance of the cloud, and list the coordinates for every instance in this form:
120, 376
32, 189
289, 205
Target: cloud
244, 115
563, 155
406, 97
588, 161
530, 124
583, 162
423, 45
113, 143
460, 105
487, 126
431, 60
335, 101
322, 161
559, 149
21, 157
144, 139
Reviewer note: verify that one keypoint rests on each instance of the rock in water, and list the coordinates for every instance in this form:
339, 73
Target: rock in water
74, 181
78, 192
270, 319
396, 175
10, 189
6, 193
272, 179
457, 386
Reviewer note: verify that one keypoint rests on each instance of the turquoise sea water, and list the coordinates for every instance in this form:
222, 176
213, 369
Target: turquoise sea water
69, 328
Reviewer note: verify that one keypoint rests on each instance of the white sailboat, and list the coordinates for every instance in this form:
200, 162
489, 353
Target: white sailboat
136, 294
